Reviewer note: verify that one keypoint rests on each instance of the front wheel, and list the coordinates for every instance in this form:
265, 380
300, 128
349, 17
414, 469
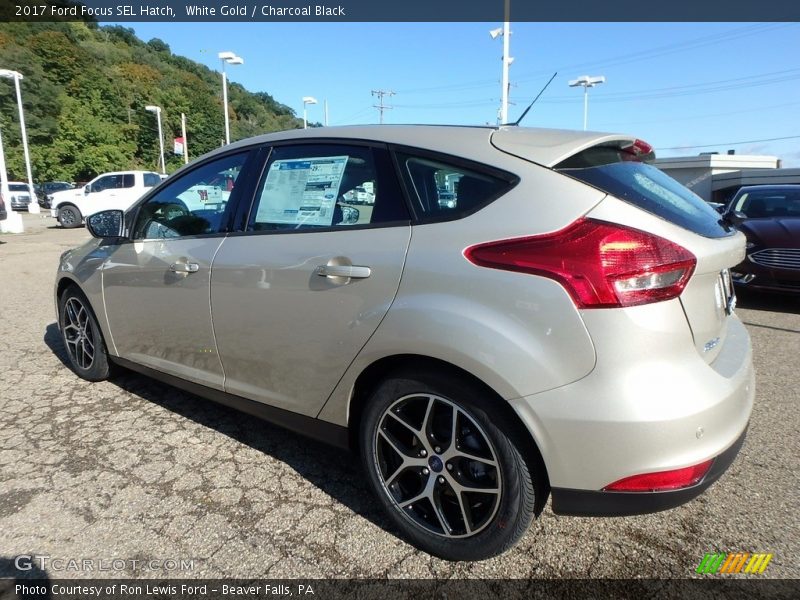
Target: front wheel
449, 475
69, 216
82, 337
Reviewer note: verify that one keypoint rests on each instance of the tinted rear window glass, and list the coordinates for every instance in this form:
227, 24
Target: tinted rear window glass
651, 189
17, 187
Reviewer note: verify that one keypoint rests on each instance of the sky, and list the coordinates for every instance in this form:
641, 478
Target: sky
685, 88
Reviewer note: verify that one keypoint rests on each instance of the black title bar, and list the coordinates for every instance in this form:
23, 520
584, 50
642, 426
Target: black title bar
399, 10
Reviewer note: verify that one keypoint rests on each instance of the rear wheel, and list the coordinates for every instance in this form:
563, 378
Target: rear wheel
449, 475
82, 338
69, 216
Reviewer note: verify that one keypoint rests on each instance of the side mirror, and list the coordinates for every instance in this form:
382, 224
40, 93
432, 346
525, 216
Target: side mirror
734, 217
87, 189
106, 224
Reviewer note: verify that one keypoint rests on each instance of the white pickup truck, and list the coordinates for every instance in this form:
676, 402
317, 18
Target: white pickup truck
116, 190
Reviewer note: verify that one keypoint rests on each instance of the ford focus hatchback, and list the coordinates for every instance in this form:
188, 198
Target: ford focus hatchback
562, 326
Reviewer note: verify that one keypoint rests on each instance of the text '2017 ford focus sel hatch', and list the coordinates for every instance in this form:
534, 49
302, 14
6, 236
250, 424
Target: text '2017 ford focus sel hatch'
563, 325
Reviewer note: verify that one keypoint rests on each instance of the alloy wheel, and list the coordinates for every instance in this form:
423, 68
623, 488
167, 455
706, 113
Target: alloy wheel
78, 333
437, 465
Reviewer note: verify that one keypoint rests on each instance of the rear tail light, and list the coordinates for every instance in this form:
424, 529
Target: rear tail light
662, 481
601, 265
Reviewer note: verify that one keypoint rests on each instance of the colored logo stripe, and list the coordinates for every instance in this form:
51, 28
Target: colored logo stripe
721, 562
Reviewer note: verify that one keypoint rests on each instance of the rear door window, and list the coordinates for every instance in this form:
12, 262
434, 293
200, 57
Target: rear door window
649, 189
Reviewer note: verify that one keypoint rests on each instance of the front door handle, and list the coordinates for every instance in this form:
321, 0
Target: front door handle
184, 268
351, 271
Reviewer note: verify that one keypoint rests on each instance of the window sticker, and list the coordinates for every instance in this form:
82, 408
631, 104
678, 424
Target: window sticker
302, 191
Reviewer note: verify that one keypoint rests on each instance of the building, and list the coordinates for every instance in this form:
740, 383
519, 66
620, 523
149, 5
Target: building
716, 177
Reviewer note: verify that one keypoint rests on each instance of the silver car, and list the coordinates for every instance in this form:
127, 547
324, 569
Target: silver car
566, 328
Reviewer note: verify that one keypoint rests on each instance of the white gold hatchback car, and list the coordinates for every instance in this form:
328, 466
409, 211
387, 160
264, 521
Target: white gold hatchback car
563, 326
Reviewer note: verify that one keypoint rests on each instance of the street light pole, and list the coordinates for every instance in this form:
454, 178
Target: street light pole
586, 82
505, 32
306, 101
157, 110
231, 59
13, 221
33, 207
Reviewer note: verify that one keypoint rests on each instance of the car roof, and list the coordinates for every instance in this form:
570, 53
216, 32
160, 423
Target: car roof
543, 146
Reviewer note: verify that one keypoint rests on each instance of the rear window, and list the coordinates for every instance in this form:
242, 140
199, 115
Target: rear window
654, 191
18, 187
151, 179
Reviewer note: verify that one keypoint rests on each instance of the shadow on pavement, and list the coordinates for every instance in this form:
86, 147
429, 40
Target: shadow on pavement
11, 575
336, 472
784, 303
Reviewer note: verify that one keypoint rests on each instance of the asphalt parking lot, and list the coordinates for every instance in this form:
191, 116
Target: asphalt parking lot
132, 469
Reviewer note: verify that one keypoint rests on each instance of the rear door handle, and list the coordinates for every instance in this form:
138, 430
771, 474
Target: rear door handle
352, 271
184, 268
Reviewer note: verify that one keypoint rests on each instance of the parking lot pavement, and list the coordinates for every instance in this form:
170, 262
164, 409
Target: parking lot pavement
135, 470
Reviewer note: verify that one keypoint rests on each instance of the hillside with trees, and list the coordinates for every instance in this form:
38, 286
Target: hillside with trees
84, 92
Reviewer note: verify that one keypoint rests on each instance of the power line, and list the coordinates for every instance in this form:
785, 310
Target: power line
628, 57
705, 116
381, 106
788, 137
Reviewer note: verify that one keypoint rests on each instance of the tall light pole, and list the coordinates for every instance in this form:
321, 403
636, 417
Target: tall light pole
157, 110
231, 59
33, 207
13, 221
586, 82
505, 32
306, 101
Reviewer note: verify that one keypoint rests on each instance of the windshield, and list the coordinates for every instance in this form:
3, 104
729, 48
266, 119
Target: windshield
766, 204
651, 189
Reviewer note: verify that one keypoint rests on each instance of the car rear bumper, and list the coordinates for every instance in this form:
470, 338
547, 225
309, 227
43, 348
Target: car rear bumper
590, 503
651, 404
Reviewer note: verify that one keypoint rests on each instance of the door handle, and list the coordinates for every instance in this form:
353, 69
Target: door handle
184, 268
352, 271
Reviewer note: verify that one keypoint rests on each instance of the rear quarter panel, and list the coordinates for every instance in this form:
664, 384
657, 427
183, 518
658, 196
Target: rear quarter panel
520, 334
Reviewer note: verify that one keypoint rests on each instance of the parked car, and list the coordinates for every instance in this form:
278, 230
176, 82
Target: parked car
769, 216
19, 194
44, 191
447, 199
567, 329
116, 190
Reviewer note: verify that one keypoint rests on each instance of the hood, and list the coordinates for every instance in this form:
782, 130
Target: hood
780, 232
66, 195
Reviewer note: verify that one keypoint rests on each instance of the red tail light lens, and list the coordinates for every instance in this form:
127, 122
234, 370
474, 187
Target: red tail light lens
601, 265
661, 481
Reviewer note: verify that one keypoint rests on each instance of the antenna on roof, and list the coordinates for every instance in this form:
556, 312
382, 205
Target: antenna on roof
522, 116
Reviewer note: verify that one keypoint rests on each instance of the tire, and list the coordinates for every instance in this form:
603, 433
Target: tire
83, 340
416, 480
69, 216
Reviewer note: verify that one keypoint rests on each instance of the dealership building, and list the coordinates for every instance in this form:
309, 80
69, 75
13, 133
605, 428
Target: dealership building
716, 177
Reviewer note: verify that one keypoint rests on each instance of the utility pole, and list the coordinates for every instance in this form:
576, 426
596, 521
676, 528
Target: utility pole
185, 141
380, 105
